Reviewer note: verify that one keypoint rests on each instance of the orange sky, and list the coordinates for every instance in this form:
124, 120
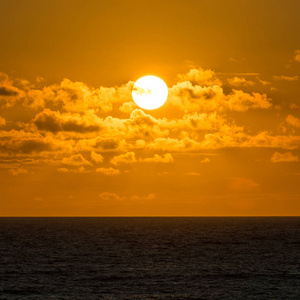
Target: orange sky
226, 142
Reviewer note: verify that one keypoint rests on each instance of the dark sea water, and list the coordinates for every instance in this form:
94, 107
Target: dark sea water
150, 258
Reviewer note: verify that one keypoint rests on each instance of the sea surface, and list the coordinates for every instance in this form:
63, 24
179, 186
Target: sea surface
150, 258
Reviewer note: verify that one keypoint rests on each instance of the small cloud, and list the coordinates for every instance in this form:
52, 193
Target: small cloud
293, 106
63, 170
165, 173
80, 169
148, 197
232, 59
8, 93
240, 81
200, 76
106, 196
297, 55
97, 158
128, 107
39, 79
205, 161
263, 82
127, 158
76, 160
2, 121
38, 199
286, 78
151, 196
290, 119
192, 174
167, 158
284, 157
55, 122
17, 171
241, 101
239, 184
108, 171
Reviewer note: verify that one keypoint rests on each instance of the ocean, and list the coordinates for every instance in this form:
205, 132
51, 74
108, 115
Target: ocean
150, 258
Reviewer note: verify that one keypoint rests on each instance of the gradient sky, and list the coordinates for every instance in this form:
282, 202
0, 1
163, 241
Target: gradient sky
226, 142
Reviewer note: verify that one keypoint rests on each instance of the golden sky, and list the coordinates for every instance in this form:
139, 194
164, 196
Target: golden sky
225, 143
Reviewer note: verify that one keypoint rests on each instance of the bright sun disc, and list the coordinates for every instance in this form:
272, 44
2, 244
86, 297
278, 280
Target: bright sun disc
149, 92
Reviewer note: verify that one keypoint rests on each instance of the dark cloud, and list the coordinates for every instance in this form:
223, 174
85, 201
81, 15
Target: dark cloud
107, 143
54, 121
6, 91
47, 122
73, 126
24, 146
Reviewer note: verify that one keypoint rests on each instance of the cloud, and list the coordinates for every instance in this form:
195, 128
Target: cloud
147, 197
73, 106
171, 144
78, 97
263, 82
193, 98
111, 197
293, 106
8, 93
63, 170
143, 126
2, 121
66, 96
241, 101
205, 161
128, 107
106, 143
17, 171
242, 185
286, 78
39, 79
194, 122
54, 121
225, 139
284, 157
70, 118
239, 139
240, 81
200, 76
139, 125
167, 158
297, 55
106, 196
127, 158
110, 143
20, 143
290, 119
97, 158
31, 142
192, 174
108, 171
76, 160
130, 158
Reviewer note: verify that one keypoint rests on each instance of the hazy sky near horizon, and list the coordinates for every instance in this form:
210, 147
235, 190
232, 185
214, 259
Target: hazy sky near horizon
226, 142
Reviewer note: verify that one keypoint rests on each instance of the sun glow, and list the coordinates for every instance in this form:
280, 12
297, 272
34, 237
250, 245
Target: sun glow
150, 92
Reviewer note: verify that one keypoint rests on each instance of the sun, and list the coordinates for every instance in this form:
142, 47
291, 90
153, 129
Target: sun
150, 92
